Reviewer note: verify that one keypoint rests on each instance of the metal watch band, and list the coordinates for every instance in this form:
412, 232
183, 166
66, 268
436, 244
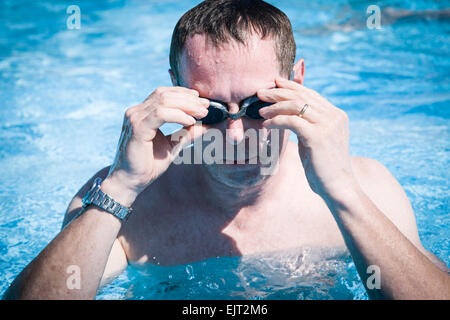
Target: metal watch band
100, 199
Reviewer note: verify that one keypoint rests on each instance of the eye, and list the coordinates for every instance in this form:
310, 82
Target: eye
214, 115
253, 109
216, 112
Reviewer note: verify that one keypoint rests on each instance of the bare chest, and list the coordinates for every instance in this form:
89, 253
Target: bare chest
171, 233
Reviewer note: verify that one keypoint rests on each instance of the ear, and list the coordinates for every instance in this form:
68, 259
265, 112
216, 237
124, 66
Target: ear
173, 78
299, 71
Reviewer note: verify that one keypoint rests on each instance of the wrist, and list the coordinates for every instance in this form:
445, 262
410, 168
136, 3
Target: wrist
119, 192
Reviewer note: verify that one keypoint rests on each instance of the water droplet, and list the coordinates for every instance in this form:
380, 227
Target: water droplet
190, 272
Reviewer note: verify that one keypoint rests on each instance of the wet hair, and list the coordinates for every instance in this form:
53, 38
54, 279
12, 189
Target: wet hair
224, 20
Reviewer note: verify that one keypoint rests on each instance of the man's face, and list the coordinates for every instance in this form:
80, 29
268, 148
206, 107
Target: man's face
232, 73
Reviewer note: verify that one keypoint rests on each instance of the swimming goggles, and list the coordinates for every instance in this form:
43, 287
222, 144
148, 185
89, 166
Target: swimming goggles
218, 111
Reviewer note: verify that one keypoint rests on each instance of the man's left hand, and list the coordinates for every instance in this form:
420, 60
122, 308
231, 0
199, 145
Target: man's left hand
322, 132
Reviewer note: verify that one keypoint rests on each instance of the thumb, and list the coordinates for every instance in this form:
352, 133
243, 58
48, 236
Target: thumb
185, 137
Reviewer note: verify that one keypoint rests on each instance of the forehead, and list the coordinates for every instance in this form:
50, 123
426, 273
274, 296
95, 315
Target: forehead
230, 71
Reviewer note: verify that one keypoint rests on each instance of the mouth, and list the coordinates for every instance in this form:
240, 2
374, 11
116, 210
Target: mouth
238, 162
249, 157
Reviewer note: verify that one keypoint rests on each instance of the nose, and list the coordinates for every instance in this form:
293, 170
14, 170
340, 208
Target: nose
235, 128
235, 131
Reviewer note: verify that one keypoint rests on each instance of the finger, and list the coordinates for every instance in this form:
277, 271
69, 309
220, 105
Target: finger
288, 84
303, 95
194, 106
164, 90
299, 126
157, 117
186, 136
178, 89
276, 95
291, 108
306, 93
185, 90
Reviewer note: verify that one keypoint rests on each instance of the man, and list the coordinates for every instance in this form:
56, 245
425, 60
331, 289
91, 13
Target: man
318, 196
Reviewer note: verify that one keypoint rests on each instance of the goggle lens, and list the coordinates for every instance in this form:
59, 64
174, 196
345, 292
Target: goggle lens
253, 109
214, 115
217, 111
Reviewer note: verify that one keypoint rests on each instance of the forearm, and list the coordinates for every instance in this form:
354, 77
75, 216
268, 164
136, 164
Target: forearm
85, 243
372, 239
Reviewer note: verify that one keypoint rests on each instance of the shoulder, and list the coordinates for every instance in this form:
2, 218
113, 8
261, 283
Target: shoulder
379, 184
367, 166
387, 194
375, 177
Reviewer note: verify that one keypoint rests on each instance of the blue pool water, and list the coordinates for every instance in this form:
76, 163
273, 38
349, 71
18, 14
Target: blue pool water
63, 93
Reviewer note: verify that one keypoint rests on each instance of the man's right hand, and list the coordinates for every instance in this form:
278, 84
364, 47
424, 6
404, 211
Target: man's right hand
144, 153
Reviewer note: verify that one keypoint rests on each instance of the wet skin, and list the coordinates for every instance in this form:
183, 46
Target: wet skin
320, 196
195, 212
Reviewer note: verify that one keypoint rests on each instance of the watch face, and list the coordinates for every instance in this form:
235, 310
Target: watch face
97, 182
88, 197
84, 201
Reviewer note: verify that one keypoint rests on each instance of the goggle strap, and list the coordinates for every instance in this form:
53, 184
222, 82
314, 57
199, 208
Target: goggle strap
218, 105
235, 116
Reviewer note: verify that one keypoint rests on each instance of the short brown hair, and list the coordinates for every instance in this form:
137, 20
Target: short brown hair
222, 20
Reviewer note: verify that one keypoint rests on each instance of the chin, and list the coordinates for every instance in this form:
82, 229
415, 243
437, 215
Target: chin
237, 175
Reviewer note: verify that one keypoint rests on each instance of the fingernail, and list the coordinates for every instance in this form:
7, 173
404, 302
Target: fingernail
264, 112
204, 102
202, 113
266, 124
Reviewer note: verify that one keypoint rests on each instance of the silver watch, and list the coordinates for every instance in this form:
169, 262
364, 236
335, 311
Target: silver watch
100, 199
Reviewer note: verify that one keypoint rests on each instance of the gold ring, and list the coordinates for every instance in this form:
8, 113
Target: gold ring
302, 112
